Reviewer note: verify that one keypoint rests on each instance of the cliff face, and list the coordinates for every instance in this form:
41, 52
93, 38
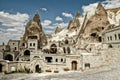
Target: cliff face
98, 22
33, 30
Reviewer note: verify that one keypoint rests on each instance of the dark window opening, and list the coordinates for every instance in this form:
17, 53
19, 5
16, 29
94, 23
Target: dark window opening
15, 48
87, 65
119, 36
64, 49
102, 28
115, 36
30, 44
56, 60
33, 44
23, 44
1, 67
110, 46
93, 35
48, 59
100, 39
53, 48
68, 49
9, 57
110, 37
61, 60
27, 53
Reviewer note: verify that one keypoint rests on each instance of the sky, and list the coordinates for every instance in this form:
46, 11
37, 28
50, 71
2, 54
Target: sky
14, 14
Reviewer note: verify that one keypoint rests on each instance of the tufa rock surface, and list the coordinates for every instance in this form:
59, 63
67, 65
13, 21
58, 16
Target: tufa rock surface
33, 30
98, 22
74, 24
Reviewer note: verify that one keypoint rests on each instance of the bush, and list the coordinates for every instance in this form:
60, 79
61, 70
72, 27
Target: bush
56, 71
21, 71
27, 70
66, 69
48, 70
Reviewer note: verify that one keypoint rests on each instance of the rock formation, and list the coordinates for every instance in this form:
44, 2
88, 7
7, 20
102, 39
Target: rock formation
33, 30
74, 24
98, 22
58, 29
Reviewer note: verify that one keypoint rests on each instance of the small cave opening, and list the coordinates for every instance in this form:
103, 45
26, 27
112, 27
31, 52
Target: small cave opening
27, 53
100, 39
93, 34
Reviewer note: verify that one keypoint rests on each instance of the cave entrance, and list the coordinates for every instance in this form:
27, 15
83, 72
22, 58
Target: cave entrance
100, 39
9, 57
1, 66
37, 69
27, 53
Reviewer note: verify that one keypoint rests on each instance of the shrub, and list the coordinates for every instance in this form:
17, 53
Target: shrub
27, 70
48, 70
56, 71
66, 69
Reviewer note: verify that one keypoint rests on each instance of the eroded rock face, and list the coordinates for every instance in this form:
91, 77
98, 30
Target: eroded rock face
74, 24
95, 25
58, 29
34, 30
98, 22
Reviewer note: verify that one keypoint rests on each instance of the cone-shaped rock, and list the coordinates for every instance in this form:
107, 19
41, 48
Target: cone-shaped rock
74, 24
98, 22
58, 29
34, 30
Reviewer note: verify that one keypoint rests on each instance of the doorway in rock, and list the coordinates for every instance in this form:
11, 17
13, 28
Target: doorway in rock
37, 69
100, 39
9, 57
26, 53
74, 65
1, 67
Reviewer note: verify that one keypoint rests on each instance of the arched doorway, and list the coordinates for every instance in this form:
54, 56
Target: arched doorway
1, 67
37, 69
27, 53
9, 57
74, 65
